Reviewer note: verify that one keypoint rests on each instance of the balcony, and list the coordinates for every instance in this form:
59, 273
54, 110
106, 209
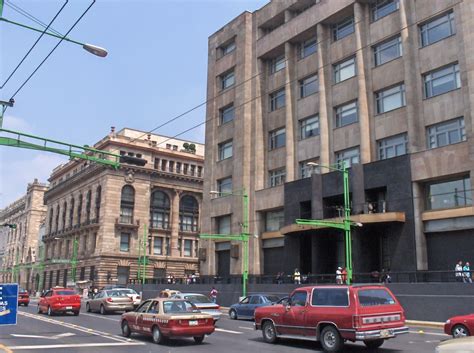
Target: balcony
127, 222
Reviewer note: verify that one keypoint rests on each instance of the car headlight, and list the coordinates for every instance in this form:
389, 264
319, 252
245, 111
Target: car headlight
448, 321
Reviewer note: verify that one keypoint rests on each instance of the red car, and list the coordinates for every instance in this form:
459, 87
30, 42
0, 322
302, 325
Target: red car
460, 326
23, 297
164, 318
59, 300
333, 315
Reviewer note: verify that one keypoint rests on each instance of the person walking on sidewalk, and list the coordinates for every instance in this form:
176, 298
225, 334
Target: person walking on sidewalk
297, 276
213, 295
466, 273
458, 272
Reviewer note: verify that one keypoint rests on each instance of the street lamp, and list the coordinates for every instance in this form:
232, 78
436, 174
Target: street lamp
93, 49
346, 224
242, 237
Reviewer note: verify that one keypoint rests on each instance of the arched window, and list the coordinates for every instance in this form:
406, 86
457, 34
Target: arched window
71, 212
159, 210
64, 214
98, 200
79, 210
57, 219
88, 206
188, 214
127, 203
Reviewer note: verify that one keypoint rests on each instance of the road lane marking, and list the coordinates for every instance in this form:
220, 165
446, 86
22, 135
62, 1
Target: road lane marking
76, 345
429, 333
5, 349
55, 337
229, 331
247, 328
101, 317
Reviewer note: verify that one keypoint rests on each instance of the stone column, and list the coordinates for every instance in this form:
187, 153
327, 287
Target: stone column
175, 223
290, 73
324, 80
420, 238
363, 105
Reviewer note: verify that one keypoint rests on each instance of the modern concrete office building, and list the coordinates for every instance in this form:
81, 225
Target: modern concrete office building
387, 86
111, 215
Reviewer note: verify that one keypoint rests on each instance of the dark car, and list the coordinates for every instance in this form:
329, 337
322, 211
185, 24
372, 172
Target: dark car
246, 307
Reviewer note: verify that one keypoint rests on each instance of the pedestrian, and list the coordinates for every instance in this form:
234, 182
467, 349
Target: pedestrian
193, 278
339, 275
297, 276
458, 272
213, 294
466, 273
344, 275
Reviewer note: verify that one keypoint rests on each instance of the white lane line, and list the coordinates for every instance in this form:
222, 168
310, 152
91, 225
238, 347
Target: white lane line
61, 335
430, 333
247, 328
76, 345
101, 317
228, 331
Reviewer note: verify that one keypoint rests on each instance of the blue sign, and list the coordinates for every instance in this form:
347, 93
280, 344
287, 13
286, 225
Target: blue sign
8, 303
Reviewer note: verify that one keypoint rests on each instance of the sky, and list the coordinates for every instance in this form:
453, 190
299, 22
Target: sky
156, 69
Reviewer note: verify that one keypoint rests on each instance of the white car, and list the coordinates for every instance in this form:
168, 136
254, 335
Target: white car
131, 294
203, 303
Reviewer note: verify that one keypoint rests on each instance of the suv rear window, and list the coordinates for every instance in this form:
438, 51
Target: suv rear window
330, 297
372, 297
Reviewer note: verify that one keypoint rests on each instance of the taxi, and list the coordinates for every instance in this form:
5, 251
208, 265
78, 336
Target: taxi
163, 318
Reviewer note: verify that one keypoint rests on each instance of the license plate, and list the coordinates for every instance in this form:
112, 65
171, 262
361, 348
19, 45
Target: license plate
68, 307
385, 333
193, 323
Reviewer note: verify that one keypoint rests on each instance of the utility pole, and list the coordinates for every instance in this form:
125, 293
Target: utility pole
75, 246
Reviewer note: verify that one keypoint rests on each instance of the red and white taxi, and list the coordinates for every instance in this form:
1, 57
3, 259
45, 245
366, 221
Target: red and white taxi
333, 315
164, 318
59, 300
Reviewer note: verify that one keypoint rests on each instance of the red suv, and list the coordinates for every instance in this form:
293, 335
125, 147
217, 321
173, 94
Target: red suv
333, 315
59, 300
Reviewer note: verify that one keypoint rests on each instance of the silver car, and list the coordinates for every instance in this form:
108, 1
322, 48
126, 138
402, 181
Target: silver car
110, 300
203, 303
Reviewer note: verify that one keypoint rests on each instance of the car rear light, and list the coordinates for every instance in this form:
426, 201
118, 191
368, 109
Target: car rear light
130, 299
138, 297
110, 300
217, 307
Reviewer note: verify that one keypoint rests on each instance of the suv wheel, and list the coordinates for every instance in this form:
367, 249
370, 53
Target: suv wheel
198, 339
460, 331
233, 314
38, 310
268, 332
331, 340
373, 344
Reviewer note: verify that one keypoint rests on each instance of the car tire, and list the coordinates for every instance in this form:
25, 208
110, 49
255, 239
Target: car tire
26, 304
102, 310
199, 339
126, 329
331, 340
88, 308
269, 332
38, 310
460, 331
157, 335
76, 313
50, 312
374, 344
233, 314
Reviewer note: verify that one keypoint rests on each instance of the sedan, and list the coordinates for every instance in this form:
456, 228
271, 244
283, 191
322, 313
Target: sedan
163, 318
59, 300
23, 297
110, 300
460, 326
245, 309
203, 303
129, 292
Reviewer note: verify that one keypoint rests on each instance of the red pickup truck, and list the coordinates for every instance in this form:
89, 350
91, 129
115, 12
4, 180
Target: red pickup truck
333, 315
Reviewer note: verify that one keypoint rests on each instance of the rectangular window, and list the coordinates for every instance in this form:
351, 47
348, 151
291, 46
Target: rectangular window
344, 70
226, 114
168, 246
388, 50
309, 127
390, 99
330, 297
158, 246
277, 138
348, 157
374, 297
308, 47
392, 146
227, 80
188, 248
125, 242
343, 28
178, 167
225, 150
224, 185
277, 177
437, 29
223, 225
306, 170
346, 114
274, 220
308, 86
448, 194
277, 64
446, 133
382, 8
226, 48
442, 80
277, 99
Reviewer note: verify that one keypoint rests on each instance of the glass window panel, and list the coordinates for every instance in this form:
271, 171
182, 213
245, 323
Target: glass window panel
449, 194
383, 8
437, 29
227, 114
274, 220
223, 225
308, 47
309, 127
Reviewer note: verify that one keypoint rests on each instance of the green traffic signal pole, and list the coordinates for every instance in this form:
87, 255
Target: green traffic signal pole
345, 225
142, 260
242, 237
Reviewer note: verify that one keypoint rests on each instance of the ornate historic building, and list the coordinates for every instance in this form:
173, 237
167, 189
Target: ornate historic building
21, 243
104, 218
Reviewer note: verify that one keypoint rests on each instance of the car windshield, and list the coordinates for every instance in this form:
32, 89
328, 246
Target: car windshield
21, 290
373, 297
178, 306
272, 298
116, 293
198, 299
127, 291
65, 292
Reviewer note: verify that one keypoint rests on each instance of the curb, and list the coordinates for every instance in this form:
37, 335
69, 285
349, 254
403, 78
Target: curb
432, 324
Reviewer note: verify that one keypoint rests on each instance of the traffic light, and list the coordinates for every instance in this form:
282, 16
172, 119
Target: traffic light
10, 225
133, 160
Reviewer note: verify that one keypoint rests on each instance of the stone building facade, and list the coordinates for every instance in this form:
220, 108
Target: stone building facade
384, 86
21, 244
104, 218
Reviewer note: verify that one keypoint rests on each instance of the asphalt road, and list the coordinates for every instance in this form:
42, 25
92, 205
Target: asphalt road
90, 332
